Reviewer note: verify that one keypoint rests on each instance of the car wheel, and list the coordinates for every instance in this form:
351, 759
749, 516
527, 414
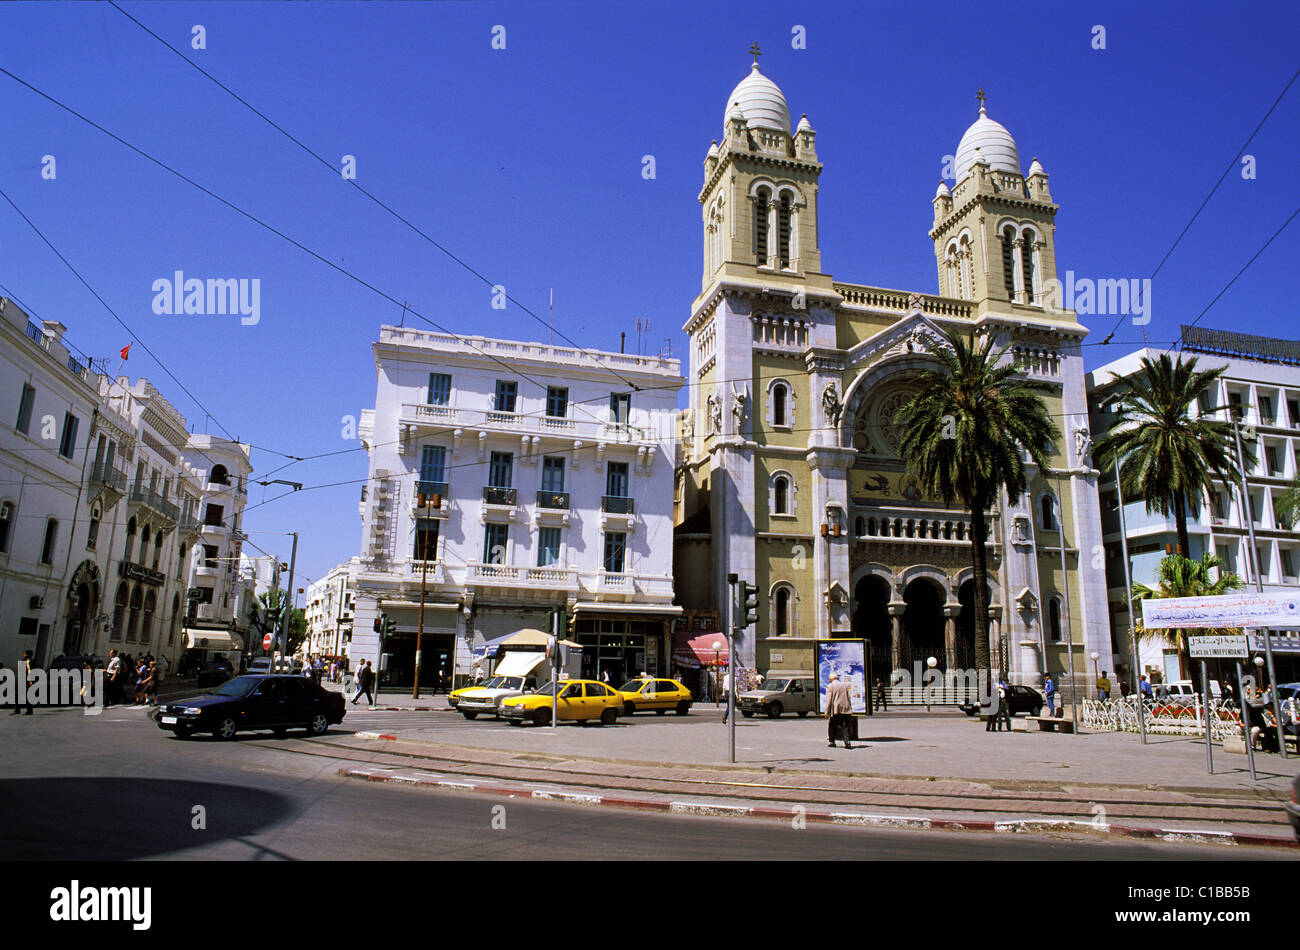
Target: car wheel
683, 708
516, 722
748, 714
226, 729
318, 724
183, 732
629, 709
469, 713
1037, 711
803, 714
542, 716
774, 710
280, 732
609, 717
660, 712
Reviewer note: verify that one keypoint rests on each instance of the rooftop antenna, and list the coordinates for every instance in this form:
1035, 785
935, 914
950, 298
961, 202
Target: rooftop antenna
402, 323
642, 326
551, 322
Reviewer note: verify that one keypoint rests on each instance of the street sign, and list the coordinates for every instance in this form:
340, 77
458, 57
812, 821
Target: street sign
1222, 611
266, 642
1218, 648
1281, 642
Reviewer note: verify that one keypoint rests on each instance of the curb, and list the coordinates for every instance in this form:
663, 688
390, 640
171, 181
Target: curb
721, 810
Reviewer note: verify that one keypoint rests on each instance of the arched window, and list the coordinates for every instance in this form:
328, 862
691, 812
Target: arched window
859, 527
1009, 261
1048, 506
1054, 619
157, 549
762, 204
783, 231
783, 612
219, 475
6, 523
146, 629
130, 541
119, 612
781, 495
1029, 261
133, 615
780, 396
175, 621
180, 567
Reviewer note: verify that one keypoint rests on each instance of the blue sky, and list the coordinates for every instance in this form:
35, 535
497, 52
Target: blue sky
526, 162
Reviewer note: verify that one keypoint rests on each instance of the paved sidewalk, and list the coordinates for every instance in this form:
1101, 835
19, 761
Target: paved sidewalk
396, 700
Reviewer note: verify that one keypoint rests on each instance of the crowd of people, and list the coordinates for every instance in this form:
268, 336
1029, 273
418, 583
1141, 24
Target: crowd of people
132, 680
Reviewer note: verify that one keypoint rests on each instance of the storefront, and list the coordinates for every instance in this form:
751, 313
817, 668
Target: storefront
621, 641
437, 646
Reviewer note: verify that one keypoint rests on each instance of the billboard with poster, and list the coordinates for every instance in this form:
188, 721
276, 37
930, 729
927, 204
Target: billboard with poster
848, 659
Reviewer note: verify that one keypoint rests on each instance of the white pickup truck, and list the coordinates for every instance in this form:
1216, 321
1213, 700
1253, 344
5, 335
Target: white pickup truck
518, 672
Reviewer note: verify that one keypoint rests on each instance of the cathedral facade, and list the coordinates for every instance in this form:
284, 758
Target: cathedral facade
789, 473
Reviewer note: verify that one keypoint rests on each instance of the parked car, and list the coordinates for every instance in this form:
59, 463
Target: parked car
579, 701
1024, 699
214, 672
661, 695
262, 665
278, 703
488, 697
779, 695
77, 662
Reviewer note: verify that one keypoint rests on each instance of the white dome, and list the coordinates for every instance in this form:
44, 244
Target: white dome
942, 191
1035, 169
995, 144
761, 102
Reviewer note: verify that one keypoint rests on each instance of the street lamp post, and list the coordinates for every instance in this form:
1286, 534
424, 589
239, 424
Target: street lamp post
930, 663
1094, 656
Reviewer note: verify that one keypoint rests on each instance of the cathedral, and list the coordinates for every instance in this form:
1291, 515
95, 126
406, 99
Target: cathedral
789, 475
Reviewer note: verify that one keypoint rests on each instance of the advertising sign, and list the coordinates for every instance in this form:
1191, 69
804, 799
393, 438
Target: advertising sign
1218, 648
1225, 610
848, 659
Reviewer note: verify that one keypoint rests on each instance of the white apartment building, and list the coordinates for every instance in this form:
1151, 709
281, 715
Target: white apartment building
50, 394
328, 613
1262, 383
220, 595
547, 476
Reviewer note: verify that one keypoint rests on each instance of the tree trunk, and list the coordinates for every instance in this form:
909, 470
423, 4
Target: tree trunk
979, 561
1180, 523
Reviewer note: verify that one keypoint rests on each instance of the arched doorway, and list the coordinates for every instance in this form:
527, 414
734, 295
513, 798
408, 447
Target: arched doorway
83, 607
965, 645
871, 622
923, 625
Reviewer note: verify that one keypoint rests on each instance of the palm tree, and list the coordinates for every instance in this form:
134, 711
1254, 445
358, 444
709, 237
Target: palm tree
1174, 455
963, 436
1178, 576
1288, 503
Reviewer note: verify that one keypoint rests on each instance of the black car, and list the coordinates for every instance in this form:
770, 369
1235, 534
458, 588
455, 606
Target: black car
278, 703
213, 672
1024, 699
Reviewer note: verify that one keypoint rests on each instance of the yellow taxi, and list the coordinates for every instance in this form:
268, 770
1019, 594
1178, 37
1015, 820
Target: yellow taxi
579, 701
649, 692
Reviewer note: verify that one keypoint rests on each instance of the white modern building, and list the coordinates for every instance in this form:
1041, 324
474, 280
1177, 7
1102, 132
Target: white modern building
1261, 382
328, 613
50, 396
508, 480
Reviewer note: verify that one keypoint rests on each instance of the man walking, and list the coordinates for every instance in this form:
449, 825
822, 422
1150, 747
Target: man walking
25, 679
1049, 694
839, 707
365, 680
882, 695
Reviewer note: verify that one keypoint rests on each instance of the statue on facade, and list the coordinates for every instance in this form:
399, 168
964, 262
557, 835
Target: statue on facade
831, 404
1082, 442
737, 406
688, 425
715, 414
914, 303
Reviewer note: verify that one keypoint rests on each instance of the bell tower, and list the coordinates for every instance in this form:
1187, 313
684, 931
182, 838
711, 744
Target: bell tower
994, 232
759, 197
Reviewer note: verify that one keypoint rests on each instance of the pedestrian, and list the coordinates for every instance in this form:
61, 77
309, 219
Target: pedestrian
113, 672
839, 707
991, 710
1103, 686
164, 665
882, 694
1144, 687
151, 685
364, 681
141, 674
726, 695
25, 678
1049, 694
1004, 702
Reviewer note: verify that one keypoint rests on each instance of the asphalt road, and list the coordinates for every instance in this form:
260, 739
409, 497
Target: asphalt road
115, 787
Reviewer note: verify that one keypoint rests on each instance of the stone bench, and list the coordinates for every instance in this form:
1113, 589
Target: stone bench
1052, 723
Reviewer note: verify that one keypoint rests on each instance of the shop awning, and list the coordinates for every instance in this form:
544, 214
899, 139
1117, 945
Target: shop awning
526, 638
598, 607
698, 651
196, 638
518, 663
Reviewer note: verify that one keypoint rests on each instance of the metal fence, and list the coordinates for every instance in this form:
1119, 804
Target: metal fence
1181, 716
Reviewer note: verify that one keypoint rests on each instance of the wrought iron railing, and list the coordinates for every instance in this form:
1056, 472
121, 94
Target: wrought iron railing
1174, 715
616, 505
553, 499
493, 495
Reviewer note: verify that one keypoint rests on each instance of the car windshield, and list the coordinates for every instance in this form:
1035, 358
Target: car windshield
546, 688
775, 685
510, 682
239, 687
632, 686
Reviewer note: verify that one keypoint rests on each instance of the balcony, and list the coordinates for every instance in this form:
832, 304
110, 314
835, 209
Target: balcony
107, 483
142, 496
211, 612
189, 527
506, 497
616, 505
553, 500
507, 575
430, 419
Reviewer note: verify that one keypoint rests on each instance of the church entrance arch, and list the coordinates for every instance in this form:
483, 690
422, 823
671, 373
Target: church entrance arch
923, 625
871, 622
83, 607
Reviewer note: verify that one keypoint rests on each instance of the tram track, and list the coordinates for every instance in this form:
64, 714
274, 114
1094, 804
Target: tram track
948, 796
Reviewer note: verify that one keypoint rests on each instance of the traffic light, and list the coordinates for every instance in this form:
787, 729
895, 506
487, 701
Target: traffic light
390, 626
746, 605
379, 623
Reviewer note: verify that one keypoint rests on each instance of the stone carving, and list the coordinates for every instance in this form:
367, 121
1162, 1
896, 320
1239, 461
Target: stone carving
688, 425
738, 398
914, 303
831, 404
1082, 442
715, 414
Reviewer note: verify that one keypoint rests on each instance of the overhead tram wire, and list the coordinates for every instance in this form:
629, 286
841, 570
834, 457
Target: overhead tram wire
353, 182
1232, 163
258, 221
